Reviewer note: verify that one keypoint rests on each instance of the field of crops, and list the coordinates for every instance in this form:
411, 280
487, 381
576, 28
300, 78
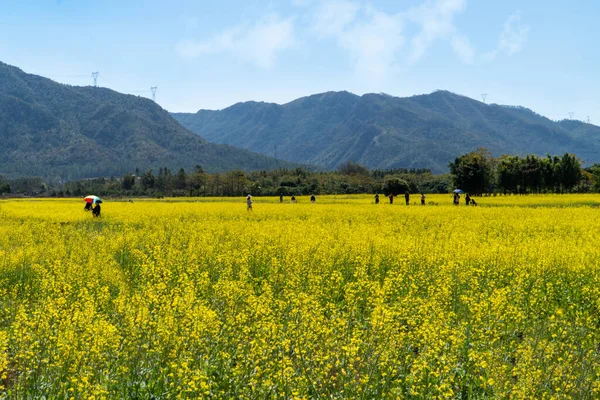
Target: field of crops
338, 299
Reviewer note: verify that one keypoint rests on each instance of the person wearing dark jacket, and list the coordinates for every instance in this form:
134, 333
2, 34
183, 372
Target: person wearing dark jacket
407, 198
468, 199
96, 211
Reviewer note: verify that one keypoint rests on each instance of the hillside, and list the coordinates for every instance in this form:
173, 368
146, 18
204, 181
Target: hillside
382, 131
65, 132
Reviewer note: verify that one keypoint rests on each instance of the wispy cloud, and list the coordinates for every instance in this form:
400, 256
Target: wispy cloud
436, 21
258, 44
370, 36
462, 47
375, 40
333, 18
513, 37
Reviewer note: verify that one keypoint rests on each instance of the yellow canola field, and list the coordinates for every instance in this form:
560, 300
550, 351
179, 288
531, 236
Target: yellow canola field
339, 299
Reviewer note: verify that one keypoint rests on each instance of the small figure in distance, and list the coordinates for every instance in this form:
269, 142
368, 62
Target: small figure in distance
281, 198
467, 199
473, 203
96, 211
313, 199
376, 198
456, 199
88, 207
422, 199
249, 202
407, 198
293, 199
392, 198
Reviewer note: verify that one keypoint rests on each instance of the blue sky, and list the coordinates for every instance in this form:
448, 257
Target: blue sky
209, 54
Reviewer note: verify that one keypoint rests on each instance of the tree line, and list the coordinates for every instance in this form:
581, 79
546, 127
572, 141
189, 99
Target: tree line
350, 178
476, 172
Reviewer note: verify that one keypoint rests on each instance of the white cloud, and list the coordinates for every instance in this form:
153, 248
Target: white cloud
513, 37
436, 21
462, 46
374, 39
370, 36
258, 44
332, 18
374, 44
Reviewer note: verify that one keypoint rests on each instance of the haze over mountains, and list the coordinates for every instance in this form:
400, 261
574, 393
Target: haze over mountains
382, 131
53, 130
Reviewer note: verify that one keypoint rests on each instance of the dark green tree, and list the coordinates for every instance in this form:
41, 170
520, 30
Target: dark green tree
568, 172
395, 186
474, 172
181, 180
128, 182
148, 180
508, 173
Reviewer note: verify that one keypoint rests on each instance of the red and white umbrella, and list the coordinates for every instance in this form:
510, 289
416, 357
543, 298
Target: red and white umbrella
92, 199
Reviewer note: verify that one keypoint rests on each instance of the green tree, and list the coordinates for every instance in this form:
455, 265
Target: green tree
395, 186
531, 174
148, 180
128, 182
568, 172
351, 168
594, 170
181, 180
508, 173
473, 172
5, 188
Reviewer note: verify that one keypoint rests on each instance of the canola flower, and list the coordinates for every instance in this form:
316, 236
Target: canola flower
338, 299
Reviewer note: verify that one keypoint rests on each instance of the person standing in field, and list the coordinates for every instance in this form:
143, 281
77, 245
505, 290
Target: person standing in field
281, 198
422, 199
293, 199
376, 198
456, 199
249, 202
313, 199
468, 199
407, 198
96, 210
392, 198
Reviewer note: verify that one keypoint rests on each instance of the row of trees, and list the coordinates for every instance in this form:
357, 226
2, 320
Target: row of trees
478, 172
348, 179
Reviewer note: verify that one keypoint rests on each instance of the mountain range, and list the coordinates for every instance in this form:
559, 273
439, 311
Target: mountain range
65, 132
382, 131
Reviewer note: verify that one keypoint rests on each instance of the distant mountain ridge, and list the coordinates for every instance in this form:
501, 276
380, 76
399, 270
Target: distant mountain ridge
53, 130
382, 131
